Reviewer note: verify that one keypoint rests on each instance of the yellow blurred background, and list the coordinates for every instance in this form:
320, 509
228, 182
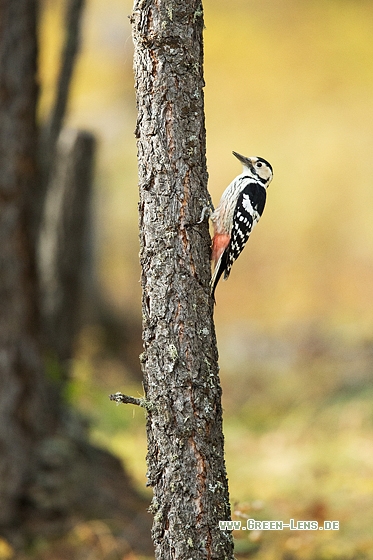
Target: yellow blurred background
291, 81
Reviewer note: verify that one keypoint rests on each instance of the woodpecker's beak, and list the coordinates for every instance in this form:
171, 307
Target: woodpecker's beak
244, 160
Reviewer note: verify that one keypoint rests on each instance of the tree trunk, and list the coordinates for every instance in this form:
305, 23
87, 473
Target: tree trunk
50, 131
63, 239
23, 413
185, 441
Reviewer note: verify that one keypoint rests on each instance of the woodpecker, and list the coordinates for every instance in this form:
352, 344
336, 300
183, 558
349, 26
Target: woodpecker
239, 210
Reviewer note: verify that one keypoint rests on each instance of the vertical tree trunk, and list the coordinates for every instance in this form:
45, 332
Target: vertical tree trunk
185, 441
50, 131
63, 239
23, 412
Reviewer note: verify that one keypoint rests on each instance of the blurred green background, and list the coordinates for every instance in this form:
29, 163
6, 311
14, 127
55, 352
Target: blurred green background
291, 81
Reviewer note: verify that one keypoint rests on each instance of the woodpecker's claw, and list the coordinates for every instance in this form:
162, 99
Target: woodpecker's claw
206, 211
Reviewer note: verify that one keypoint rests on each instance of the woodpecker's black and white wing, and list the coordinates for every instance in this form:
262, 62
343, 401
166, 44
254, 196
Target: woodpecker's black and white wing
248, 210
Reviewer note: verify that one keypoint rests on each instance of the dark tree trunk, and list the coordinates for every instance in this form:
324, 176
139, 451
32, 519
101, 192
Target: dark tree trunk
23, 413
185, 441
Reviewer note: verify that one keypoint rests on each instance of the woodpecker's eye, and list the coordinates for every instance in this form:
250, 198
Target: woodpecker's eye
259, 164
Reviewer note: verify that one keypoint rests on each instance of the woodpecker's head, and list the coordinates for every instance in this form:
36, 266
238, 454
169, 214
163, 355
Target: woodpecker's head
257, 167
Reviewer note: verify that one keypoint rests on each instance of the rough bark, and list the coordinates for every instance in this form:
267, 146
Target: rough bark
63, 238
184, 426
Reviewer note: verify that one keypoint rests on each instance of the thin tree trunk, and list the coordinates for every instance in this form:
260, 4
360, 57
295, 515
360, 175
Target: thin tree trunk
50, 131
185, 441
63, 239
73, 17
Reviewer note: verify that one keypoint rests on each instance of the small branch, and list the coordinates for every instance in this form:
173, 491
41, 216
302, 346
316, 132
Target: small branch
119, 398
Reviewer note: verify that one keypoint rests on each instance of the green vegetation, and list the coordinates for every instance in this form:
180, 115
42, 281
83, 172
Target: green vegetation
298, 428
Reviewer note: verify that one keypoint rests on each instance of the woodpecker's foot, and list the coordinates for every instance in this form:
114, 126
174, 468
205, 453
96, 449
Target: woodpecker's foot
206, 211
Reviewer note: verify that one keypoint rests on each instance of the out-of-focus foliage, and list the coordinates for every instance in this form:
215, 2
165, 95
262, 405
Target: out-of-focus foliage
293, 82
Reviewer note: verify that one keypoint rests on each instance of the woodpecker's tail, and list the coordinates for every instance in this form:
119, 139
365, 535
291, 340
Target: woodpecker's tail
220, 267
